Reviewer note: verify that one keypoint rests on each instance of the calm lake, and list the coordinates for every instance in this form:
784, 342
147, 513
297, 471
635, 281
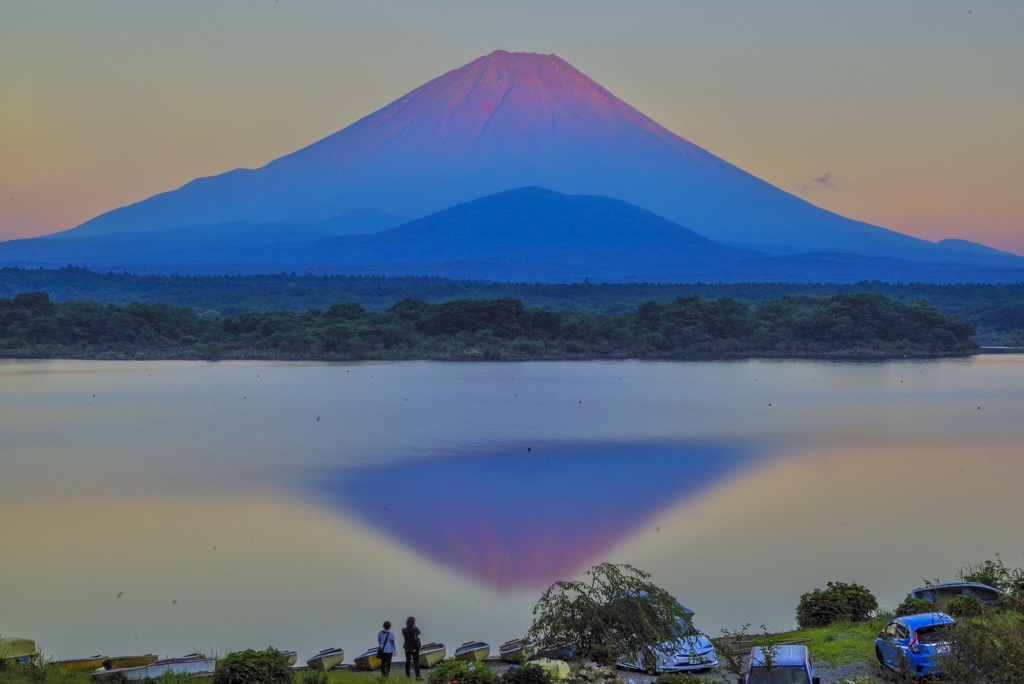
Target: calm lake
168, 507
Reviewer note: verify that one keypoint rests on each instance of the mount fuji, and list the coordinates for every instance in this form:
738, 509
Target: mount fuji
502, 122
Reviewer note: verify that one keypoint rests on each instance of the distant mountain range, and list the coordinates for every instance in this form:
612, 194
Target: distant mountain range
524, 235
512, 167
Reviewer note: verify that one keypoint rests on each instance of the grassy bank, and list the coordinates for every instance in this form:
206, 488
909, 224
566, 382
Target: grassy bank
840, 643
44, 673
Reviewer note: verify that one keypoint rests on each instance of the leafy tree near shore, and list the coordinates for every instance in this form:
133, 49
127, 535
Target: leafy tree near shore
253, 667
615, 612
839, 602
912, 606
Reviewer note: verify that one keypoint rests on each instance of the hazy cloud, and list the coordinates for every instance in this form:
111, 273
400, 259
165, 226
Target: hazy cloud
826, 181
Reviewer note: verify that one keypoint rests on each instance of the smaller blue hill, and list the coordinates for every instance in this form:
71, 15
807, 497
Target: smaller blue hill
529, 234
536, 223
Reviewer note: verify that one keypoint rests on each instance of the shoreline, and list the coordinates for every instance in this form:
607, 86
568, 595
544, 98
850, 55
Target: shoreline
826, 673
477, 358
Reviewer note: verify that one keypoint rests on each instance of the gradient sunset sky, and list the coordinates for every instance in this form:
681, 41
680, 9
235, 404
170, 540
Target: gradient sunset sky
908, 115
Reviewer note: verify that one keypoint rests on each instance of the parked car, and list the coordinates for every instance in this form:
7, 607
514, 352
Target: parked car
916, 643
687, 652
942, 594
785, 664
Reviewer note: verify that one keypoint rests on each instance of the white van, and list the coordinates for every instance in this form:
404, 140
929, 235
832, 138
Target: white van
789, 664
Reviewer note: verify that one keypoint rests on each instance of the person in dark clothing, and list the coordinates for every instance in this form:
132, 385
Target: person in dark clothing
385, 649
411, 636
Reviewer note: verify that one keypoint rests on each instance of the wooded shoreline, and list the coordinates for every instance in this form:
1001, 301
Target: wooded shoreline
846, 326
473, 358
995, 311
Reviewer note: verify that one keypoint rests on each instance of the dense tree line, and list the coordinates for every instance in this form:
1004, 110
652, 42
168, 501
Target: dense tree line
860, 324
995, 311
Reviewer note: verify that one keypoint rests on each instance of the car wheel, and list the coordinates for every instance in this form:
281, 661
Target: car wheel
651, 670
878, 654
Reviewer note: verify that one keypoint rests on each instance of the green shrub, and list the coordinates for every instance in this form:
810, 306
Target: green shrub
313, 677
448, 671
254, 667
994, 573
452, 670
913, 606
678, 678
35, 671
839, 602
965, 605
1010, 602
40, 671
860, 602
987, 652
526, 674
592, 673
478, 673
820, 609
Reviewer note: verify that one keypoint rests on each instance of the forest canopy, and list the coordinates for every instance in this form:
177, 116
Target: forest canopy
858, 325
995, 311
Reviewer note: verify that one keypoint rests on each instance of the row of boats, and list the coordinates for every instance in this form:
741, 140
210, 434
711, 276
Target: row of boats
515, 651
20, 651
149, 666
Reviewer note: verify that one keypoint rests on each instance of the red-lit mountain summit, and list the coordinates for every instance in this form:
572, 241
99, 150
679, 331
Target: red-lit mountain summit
495, 104
502, 122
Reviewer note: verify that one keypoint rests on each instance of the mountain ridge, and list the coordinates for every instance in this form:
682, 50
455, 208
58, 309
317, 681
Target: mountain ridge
503, 121
527, 234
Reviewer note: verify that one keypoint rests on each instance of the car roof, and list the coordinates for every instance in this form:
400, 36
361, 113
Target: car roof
919, 620
786, 654
954, 585
643, 593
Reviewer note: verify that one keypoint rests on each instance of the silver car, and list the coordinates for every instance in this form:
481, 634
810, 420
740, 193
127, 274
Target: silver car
687, 652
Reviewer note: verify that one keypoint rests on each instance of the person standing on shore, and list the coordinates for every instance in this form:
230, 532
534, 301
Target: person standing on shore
385, 649
411, 644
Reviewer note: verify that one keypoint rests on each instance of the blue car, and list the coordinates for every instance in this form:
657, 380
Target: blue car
915, 643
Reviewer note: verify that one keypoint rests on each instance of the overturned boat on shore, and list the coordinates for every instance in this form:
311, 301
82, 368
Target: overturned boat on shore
81, 664
368, 660
556, 669
431, 654
558, 650
121, 662
327, 659
17, 651
473, 651
191, 664
517, 651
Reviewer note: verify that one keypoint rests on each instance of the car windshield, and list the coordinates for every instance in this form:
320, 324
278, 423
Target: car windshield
780, 674
683, 629
933, 634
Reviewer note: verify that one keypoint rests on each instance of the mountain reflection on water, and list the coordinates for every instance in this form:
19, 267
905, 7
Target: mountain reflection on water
524, 517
